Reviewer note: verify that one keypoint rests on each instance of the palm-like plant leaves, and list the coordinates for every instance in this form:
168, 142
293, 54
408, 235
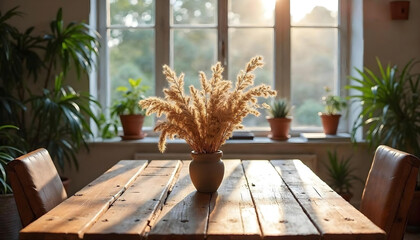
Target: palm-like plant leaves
74, 43
341, 173
390, 106
7, 154
61, 122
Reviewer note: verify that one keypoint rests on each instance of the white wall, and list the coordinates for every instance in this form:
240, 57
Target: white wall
393, 41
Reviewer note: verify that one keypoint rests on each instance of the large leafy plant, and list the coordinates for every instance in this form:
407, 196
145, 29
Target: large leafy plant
55, 117
390, 106
7, 154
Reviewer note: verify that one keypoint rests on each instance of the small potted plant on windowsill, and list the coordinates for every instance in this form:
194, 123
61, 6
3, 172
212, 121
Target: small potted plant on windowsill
279, 119
129, 111
341, 175
331, 117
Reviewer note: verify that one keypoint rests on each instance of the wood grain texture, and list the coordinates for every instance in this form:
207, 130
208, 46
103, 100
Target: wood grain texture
232, 212
131, 213
74, 216
334, 217
184, 214
280, 215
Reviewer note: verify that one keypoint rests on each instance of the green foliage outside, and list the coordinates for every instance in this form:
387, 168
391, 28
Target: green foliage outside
307, 113
314, 52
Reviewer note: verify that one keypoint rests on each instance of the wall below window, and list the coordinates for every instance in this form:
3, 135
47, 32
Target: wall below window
103, 155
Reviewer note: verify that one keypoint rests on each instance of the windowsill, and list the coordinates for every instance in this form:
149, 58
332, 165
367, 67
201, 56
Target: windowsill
340, 138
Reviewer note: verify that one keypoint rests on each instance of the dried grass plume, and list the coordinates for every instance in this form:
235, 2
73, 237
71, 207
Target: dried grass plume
206, 118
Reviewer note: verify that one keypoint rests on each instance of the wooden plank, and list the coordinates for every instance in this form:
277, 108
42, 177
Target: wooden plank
129, 216
334, 217
185, 213
74, 216
232, 212
279, 213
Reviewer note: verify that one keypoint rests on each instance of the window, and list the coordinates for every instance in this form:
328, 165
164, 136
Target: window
300, 41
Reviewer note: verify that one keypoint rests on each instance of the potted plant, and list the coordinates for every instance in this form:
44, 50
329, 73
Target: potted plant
130, 112
390, 106
279, 119
206, 118
56, 116
341, 175
9, 216
331, 117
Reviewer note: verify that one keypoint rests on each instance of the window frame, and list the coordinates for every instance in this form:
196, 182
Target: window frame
282, 55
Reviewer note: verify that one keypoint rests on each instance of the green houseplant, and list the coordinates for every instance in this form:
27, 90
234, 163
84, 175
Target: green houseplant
9, 217
56, 116
390, 112
330, 118
341, 175
390, 106
130, 112
279, 119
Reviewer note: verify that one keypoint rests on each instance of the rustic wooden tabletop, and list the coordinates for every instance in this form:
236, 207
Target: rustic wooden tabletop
258, 199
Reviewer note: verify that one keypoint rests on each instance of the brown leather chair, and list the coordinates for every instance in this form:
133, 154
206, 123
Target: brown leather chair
389, 190
36, 185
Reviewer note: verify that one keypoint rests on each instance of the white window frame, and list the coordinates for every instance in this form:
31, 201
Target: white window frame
282, 56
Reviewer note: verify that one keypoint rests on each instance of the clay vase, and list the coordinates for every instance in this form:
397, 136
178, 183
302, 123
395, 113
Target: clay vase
132, 125
330, 123
206, 171
279, 128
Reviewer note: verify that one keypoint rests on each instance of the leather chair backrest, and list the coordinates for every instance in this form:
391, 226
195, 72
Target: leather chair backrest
36, 185
389, 190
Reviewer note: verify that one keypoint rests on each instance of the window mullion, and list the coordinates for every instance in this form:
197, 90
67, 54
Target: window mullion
104, 80
162, 41
222, 36
282, 49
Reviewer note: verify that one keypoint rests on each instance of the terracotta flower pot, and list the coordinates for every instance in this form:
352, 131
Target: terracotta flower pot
206, 171
132, 125
279, 128
330, 123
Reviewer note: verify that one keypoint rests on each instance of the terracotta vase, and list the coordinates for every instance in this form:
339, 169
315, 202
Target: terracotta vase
132, 125
279, 128
206, 171
330, 123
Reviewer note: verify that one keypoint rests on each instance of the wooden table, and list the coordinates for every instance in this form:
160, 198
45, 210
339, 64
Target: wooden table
258, 199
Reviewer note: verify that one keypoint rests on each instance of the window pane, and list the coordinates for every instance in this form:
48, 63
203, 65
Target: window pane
132, 13
245, 44
193, 51
314, 65
314, 13
251, 12
194, 12
132, 54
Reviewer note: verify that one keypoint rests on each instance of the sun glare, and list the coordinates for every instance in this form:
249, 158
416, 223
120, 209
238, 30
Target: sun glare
268, 6
299, 8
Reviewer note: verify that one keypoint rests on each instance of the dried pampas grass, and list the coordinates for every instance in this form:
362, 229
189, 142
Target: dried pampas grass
206, 118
